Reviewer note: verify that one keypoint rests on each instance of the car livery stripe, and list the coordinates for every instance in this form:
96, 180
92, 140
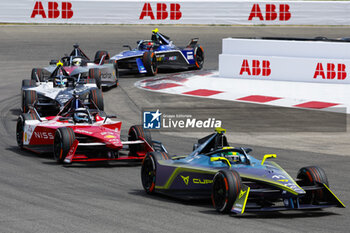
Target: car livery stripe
178, 170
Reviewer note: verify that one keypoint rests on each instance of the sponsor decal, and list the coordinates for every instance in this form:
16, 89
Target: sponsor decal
201, 181
332, 71
44, 135
162, 11
241, 193
152, 120
53, 10
185, 179
110, 136
271, 12
256, 68
83, 131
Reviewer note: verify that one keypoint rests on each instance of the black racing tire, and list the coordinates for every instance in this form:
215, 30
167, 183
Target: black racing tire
226, 187
96, 99
148, 172
198, 57
38, 72
64, 139
20, 126
99, 54
309, 176
136, 132
95, 73
149, 60
28, 83
29, 97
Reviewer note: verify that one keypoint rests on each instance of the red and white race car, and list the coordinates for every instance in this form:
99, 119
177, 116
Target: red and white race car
80, 134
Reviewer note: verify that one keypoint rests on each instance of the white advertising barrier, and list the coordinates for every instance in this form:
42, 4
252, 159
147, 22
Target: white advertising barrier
223, 12
301, 61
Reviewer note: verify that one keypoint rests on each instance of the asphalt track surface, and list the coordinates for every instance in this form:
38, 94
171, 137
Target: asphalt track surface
37, 195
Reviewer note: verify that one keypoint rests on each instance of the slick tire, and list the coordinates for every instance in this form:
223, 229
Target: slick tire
38, 72
149, 60
29, 97
99, 54
226, 187
136, 132
96, 99
95, 73
309, 176
148, 170
64, 139
20, 126
198, 57
148, 173
28, 83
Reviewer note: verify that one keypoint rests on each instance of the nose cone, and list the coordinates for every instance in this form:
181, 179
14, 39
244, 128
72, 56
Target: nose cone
278, 176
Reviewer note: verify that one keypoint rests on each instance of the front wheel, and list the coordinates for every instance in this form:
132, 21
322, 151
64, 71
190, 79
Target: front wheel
148, 173
149, 60
136, 132
226, 187
64, 139
310, 176
96, 99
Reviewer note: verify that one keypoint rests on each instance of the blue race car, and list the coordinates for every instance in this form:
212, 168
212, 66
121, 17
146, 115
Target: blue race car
235, 180
160, 52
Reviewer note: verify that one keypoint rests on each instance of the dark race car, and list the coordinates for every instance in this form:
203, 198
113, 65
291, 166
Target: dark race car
51, 95
102, 69
80, 133
235, 180
160, 52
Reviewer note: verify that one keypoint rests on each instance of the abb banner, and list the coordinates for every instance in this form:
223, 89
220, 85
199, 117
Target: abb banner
229, 12
301, 61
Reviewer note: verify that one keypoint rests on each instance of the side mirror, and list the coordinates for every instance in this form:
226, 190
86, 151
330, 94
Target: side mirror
127, 46
223, 159
267, 157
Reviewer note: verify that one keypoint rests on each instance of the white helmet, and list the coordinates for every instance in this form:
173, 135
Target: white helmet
76, 61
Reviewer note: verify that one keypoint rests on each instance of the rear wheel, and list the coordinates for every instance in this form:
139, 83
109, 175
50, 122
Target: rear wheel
309, 176
99, 54
226, 187
149, 60
29, 97
95, 73
136, 132
148, 170
96, 99
64, 139
198, 57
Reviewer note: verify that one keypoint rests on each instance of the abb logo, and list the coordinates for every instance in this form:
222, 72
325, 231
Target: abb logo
162, 13
257, 68
340, 73
270, 12
53, 11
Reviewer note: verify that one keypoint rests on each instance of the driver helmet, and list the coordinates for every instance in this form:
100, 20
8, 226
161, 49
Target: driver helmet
60, 81
76, 61
80, 116
231, 155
